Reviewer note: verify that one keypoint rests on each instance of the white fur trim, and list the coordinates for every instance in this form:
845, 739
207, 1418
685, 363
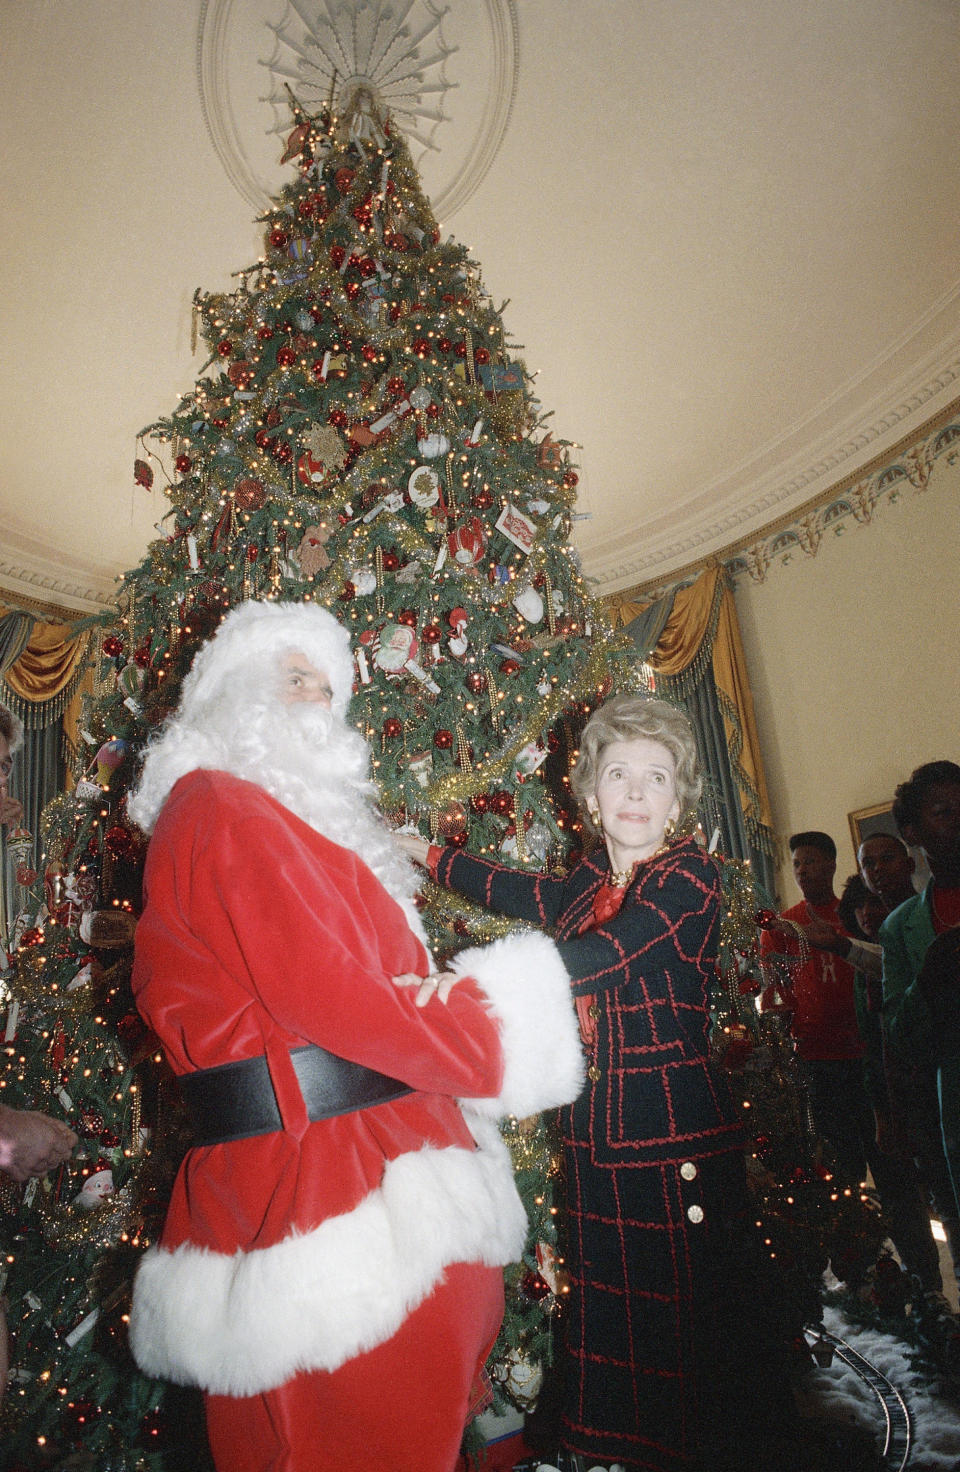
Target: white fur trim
528, 991
244, 1324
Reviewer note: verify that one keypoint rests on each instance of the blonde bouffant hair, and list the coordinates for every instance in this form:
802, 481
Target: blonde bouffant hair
627, 718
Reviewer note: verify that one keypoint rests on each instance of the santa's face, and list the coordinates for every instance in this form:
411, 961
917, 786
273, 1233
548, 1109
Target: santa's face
301, 683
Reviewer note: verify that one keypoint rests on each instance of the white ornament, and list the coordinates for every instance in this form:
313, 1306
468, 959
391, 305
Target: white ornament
364, 581
529, 604
424, 487
433, 445
420, 397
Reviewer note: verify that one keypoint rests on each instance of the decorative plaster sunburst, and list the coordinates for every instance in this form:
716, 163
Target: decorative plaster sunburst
395, 51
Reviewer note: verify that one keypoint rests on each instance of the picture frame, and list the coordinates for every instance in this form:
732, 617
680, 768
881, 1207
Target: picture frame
865, 822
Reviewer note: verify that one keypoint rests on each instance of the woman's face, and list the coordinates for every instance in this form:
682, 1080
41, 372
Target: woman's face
636, 793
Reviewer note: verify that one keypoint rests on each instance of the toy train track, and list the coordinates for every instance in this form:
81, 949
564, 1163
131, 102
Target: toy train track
897, 1443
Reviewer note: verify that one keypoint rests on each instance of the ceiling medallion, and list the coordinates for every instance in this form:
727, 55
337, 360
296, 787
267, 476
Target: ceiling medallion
371, 53
392, 55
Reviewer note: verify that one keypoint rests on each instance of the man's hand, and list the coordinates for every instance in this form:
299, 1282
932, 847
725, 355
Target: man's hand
439, 985
32, 1143
821, 934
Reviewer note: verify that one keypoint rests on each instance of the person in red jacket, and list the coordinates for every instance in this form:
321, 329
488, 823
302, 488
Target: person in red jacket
821, 991
329, 1268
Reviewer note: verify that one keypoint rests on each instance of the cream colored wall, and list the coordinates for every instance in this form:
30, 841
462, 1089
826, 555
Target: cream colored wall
853, 658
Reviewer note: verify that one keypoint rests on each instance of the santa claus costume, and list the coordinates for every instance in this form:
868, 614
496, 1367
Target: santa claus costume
332, 1282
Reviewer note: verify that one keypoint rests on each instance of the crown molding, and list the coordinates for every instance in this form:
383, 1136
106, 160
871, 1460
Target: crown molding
801, 467
30, 574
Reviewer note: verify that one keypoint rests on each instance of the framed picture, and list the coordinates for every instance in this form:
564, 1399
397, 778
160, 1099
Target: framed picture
865, 822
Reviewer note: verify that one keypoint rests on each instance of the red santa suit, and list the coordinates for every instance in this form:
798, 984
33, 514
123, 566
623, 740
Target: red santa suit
333, 1286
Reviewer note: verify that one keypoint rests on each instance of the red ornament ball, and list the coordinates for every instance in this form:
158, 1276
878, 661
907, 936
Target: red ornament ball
421, 346
337, 256
396, 384
347, 592
534, 1287
570, 479
369, 352
480, 802
453, 819
264, 333
476, 682
482, 355
279, 238
501, 803
286, 357
509, 666
407, 616
343, 179
443, 739
391, 561
112, 646
432, 634
392, 728
458, 840
184, 464
444, 344
249, 494
338, 418
224, 347
460, 350
118, 841
433, 411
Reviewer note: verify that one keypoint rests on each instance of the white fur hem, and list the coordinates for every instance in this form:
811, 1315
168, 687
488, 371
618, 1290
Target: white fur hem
244, 1324
528, 991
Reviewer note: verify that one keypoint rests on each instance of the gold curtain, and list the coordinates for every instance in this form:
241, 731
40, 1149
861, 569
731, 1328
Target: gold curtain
703, 630
40, 683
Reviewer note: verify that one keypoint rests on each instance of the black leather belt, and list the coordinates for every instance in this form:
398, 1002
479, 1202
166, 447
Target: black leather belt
236, 1100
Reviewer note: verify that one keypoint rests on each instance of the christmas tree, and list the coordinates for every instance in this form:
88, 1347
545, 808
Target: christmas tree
361, 434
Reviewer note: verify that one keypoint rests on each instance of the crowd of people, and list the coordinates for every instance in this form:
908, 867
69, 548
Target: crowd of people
329, 1273
873, 986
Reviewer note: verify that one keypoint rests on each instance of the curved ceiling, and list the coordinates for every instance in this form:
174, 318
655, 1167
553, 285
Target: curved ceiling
727, 230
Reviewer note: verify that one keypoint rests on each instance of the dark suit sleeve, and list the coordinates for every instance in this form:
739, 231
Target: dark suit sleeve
513, 892
670, 918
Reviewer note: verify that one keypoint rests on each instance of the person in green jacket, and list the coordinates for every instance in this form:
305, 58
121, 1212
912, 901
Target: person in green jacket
921, 945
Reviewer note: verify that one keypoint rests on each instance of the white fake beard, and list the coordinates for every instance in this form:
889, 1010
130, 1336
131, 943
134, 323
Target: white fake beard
317, 766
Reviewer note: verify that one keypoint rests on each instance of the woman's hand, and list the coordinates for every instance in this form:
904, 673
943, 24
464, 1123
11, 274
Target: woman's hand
439, 985
415, 847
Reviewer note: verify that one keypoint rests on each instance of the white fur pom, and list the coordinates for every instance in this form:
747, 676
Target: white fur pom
528, 991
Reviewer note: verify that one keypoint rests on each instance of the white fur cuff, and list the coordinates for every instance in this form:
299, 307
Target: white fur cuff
528, 991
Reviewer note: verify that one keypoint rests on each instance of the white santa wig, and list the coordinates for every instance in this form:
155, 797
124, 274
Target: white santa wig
232, 684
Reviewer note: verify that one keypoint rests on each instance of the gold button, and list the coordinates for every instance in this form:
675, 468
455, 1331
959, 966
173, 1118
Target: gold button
695, 1213
593, 1011
688, 1170
593, 1073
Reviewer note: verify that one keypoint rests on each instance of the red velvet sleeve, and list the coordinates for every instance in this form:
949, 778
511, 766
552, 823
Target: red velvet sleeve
247, 905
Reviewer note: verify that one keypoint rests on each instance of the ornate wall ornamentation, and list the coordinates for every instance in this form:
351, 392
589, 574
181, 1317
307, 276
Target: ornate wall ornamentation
398, 53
